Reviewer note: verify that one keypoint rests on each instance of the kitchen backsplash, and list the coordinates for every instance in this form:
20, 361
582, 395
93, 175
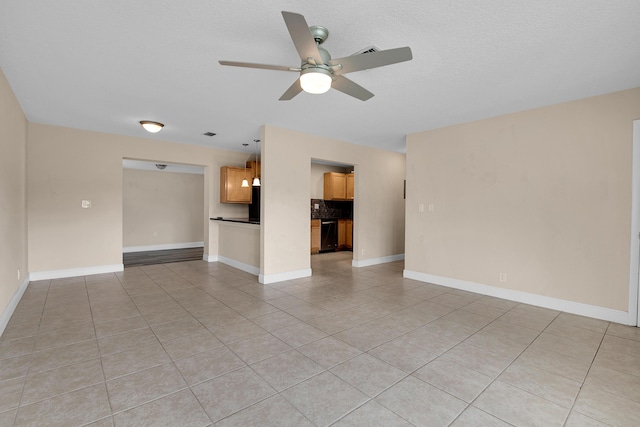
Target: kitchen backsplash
331, 209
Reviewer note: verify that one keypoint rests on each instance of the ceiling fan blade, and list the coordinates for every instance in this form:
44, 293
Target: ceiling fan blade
293, 90
262, 66
366, 61
351, 88
301, 36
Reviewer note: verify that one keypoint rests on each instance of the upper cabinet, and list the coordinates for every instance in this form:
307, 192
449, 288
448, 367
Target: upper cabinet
338, 186
231, 190
350, 186
335, 186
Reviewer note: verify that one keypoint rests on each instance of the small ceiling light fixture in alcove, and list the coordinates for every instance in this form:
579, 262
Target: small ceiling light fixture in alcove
161, 166
150, 126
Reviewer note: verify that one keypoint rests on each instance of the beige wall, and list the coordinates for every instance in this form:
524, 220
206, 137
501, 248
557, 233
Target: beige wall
541, 195
67, 166
13, 208
162, 208
378, 206
240, 246
317, 178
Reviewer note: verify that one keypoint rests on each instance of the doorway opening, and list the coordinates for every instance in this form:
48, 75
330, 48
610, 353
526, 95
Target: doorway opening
163, 213
332, 198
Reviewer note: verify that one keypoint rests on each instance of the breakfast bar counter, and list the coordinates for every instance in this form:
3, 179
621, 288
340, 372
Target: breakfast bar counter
239, 243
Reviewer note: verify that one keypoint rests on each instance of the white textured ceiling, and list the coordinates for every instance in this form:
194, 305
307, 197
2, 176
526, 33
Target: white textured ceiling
105, 65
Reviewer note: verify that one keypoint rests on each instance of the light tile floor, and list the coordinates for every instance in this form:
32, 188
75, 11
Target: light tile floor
198, 344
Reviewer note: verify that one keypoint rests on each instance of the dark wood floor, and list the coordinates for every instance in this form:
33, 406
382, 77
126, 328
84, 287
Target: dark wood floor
133, 259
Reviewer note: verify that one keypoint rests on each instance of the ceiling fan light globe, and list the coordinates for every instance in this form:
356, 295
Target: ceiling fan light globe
316, 81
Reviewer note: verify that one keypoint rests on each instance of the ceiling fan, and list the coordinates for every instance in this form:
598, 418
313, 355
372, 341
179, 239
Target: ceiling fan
318, 72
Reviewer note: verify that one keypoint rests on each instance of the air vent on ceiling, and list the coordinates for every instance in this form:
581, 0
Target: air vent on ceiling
369, 49
209, 134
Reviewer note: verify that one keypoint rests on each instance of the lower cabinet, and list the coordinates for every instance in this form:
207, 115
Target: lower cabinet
315, 236
345, 234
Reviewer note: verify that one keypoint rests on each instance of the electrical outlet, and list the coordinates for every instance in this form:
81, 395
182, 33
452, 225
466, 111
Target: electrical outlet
421, 207
431, 207
502, 277
316, 206
363, 251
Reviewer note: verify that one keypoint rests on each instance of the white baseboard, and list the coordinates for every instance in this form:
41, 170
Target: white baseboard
581, 309
13, 303
240, 265
210, 258
163, 247
267, 279
375, 261
75, 272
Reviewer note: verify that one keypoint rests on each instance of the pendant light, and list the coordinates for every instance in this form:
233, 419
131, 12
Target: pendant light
256, 179
245, 181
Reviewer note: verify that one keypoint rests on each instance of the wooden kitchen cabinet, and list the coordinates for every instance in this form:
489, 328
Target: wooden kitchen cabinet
335, 186
345, 234
350, 186
342, 233
315, 236
231, 190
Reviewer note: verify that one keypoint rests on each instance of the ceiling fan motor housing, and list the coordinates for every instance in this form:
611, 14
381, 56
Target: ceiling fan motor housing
325, 57
320, 34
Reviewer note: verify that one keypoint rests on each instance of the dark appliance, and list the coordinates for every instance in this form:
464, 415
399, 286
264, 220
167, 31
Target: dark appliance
254, 207
328, 235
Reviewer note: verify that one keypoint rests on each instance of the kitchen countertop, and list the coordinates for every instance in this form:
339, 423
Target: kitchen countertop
238, 220
329, 219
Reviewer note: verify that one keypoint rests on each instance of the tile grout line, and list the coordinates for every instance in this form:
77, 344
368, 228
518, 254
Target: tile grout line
104, 377
187, 385
470, 404
587, 375
26, 375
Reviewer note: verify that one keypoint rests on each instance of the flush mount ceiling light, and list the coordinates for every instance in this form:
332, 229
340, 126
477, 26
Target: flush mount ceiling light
150, 126
161, 166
